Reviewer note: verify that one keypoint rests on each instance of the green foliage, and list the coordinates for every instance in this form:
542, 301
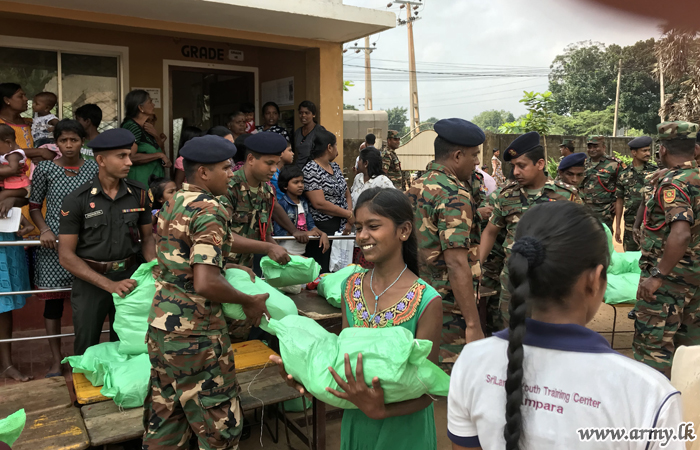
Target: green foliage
398, 117
585, 123
491, 120
538, 118
584, 78
552, 167
626, 160
432, 120
348, 84
633, 132
347, 107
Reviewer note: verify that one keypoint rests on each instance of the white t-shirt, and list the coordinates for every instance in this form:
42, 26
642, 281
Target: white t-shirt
39, 124
359, 186
572, 380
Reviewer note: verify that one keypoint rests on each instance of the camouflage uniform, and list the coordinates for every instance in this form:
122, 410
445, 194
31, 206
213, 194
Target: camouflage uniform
445, 218
193, 386
512, 202
491, 271
630, 185
392, 166
251, 213
599, 184
673, 318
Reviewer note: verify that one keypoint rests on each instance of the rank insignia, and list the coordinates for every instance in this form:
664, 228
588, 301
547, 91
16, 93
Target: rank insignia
512, 152
150, 196
64, 213
93, 191
670, 195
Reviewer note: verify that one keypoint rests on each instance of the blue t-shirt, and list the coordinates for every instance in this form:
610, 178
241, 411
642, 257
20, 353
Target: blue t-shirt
274, 180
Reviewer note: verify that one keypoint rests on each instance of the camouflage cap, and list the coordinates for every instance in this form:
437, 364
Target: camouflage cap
392, 134
567, 143
677, 130
596, 140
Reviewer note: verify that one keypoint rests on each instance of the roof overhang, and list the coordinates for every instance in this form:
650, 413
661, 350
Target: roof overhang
324, 20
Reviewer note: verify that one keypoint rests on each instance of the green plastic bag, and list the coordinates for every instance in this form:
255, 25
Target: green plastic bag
92, 362
11, 427
392, 354
627, 262
131, 317
127, 382
608, 233
622, 288
278, 304
299, 270
331, 285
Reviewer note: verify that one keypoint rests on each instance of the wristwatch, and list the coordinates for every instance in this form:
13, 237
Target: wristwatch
655, 273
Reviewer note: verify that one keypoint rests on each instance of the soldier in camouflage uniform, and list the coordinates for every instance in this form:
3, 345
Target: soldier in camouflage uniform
630, 185
193, 386
531, 187
446, 222
391, 163
599, 184
566, 148
571, 169
668, 298
491, 271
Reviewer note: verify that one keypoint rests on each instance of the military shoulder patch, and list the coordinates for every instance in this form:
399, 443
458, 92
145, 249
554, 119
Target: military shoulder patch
670, 195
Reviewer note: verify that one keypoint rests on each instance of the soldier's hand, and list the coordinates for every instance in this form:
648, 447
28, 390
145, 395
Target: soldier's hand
278, 254
647, 288
618, 235
473, 333
637, 235
124, 287
301, 237
485, 212
255, 308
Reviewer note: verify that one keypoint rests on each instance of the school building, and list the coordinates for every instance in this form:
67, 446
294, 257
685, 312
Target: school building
199, 59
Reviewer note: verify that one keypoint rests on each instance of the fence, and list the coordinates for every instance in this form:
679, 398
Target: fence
46, 291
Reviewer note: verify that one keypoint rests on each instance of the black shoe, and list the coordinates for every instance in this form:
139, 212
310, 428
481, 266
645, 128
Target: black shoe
632, 315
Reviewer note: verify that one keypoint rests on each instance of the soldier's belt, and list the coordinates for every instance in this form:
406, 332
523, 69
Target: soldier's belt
105, 267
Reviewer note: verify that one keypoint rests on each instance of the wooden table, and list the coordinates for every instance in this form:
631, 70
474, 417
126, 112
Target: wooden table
52, 422
106, 424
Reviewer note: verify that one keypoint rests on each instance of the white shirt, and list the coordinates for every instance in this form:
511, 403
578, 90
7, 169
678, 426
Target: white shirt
572, 379
359, 186
489, 181
39, 124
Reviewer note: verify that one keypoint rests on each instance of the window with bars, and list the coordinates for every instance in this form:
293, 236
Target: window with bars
83, 79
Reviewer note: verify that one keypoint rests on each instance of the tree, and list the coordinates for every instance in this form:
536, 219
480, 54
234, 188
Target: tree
539, 116
492, 119
347, 107
432, 120
398, 116
585, 123
678, 52
584, 78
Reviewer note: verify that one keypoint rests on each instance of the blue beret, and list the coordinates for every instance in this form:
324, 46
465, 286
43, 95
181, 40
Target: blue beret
266, 143
573, 160
209, 149
116, 139
640, 142
521, 145
460, 132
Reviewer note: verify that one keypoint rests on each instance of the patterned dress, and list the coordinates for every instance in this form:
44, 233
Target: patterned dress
316, 178
417, 430
51, 183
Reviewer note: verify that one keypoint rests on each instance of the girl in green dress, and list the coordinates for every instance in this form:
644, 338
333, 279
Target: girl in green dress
389, 295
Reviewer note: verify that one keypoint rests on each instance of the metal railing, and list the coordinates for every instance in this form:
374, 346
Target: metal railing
48, 291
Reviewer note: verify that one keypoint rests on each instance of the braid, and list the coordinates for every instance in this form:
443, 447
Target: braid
528, 253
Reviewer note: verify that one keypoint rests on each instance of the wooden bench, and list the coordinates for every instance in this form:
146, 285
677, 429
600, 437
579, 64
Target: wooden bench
107, 424
52, 422
249, 355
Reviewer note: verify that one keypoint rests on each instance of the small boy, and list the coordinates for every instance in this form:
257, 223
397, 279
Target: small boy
295, 204
286, 158
44, 121
249, 110
90, 117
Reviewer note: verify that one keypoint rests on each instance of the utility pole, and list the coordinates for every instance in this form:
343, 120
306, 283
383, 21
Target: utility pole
663, 92
413, 82
617, 96
368, 71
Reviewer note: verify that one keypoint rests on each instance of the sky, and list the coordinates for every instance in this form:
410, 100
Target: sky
485, 36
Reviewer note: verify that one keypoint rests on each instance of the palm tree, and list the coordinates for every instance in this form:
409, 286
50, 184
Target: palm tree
678, 53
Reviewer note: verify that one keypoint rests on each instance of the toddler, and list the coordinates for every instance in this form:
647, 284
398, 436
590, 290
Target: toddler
249, 110
44, 121
160, 190
13, 171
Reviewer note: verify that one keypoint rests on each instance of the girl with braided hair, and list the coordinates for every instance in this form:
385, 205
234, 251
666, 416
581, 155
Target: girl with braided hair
547, 379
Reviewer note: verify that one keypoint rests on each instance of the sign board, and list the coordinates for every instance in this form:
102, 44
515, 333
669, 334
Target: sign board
153, 92
197, 52
235, 55
279, 91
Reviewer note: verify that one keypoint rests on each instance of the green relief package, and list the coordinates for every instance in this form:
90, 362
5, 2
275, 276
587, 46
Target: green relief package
627, 262
131, 317
127, 382
299, 270
391, 354
92, 363
622, 288
11, 427
331, 285
278, 304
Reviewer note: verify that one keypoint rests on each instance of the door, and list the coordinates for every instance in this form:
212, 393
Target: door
205, 98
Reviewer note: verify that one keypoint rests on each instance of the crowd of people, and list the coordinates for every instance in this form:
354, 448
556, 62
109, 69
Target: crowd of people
534, 238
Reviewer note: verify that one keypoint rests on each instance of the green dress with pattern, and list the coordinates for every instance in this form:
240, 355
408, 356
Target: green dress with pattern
417, 430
